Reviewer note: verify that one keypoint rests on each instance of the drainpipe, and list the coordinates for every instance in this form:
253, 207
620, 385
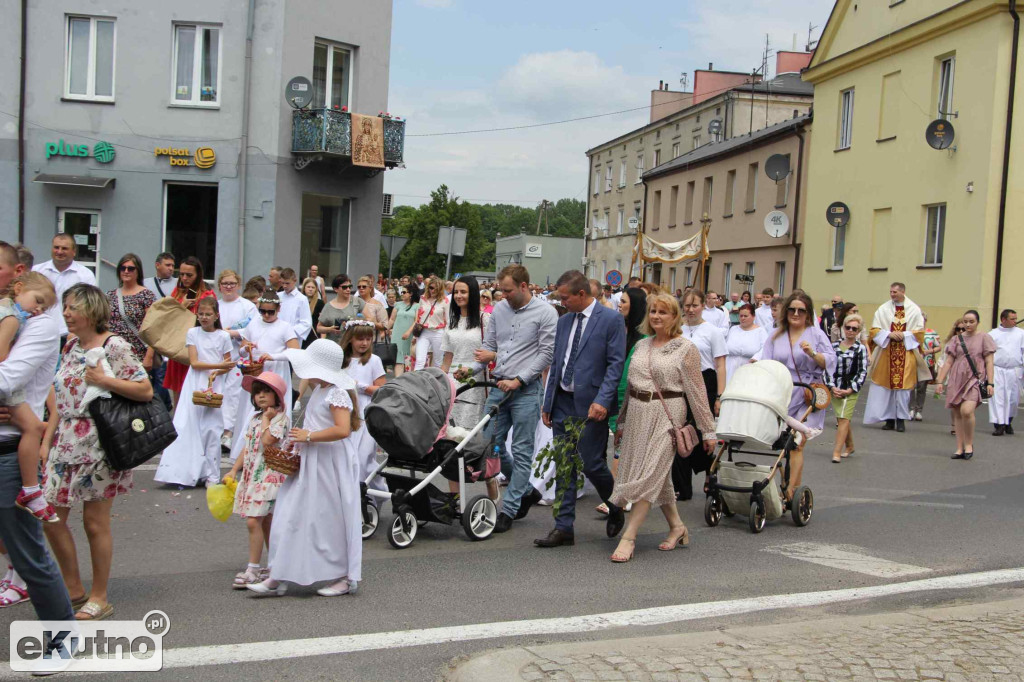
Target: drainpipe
640, 249
586, 219
1011, 93
21, 122
796, 208
243, 165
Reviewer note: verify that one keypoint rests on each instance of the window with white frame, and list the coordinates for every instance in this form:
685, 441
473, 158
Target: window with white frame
332, 76
749, 286
846, 119
689, 275
618, 264
838, 247
780, 278
657, 158
622, 173
620, 220
607, 220
196, 65
594, 226
946, 68
597, 181
89, 62
604, 268
639, 168
636, 210
935, 234
608, 178
675, 150
727, 280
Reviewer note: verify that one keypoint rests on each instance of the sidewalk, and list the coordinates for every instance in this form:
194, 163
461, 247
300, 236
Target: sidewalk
961, 644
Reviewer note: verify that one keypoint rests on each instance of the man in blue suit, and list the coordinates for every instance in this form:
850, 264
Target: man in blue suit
583, 382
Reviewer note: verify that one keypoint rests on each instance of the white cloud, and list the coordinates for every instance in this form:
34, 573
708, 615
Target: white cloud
435, 4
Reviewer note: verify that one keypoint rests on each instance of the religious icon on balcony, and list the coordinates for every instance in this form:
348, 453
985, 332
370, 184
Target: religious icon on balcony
367, 141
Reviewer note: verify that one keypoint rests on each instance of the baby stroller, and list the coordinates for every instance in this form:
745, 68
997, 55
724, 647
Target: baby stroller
408, 418
755, 407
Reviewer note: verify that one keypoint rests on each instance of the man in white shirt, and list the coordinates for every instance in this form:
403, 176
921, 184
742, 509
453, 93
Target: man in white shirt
420, 283
763, 315
162, 285
1007, 366
378, 295
314, 274
64, 273
294, 305
714, 314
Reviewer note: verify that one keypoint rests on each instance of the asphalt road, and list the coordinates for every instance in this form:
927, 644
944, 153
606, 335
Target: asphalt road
899, 499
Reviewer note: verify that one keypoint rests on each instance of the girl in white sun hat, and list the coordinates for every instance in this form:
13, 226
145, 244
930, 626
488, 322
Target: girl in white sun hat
317, 530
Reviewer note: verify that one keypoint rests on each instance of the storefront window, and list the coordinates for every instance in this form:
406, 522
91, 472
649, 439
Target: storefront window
325, 234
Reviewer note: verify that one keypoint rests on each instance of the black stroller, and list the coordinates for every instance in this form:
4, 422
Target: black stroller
409, 419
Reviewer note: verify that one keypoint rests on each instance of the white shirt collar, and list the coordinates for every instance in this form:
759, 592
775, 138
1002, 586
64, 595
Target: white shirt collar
589, 310
74, 267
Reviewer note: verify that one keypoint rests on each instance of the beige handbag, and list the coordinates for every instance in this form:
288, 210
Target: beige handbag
165, 326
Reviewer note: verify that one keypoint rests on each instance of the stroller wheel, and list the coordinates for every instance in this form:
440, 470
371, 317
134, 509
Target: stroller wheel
480, 517
713, 510
757, 517
399, 537
371, 519
802, 506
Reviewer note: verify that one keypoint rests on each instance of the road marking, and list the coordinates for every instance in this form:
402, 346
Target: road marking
226, 654
898, 503
905, 493
845, 558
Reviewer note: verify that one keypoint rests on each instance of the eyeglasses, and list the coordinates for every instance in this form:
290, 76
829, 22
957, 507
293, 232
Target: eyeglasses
797, 311
345, 286
264, 311
362, 286
228, 285
960, 329
851, 329
127, 268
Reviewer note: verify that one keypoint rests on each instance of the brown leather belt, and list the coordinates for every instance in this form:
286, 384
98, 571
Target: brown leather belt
647, 396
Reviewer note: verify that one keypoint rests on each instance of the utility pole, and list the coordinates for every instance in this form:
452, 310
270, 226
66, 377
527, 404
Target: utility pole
542, 212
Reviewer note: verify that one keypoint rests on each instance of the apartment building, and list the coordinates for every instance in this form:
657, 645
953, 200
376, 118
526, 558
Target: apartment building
722, 105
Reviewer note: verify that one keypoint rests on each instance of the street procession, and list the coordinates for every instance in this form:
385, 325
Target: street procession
297, 407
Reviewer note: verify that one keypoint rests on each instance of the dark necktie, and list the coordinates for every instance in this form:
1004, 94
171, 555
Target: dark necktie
567, 375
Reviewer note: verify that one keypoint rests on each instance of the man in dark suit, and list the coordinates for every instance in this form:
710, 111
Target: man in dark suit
828, 315
590, 350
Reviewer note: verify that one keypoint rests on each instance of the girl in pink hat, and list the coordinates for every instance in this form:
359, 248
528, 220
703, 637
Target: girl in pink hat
257, 489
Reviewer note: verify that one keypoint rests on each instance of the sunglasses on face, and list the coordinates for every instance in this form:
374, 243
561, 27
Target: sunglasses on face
797, 311
264, 311
960, 329
345, 286
127, 268
851, 329
362, 286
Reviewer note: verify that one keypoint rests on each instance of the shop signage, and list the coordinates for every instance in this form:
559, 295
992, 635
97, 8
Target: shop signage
103, 152
204, 157
533, 250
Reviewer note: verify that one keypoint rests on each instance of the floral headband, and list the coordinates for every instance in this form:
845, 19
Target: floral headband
358, 323
271, 301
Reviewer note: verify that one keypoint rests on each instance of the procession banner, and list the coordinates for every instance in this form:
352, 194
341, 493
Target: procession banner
674, 252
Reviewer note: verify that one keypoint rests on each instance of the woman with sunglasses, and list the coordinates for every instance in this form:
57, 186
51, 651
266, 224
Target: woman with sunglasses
339, 310
235, 315
373, 309
801, 346
128, 305
846, 382
485, 301
403, 317
963, 393
432, 318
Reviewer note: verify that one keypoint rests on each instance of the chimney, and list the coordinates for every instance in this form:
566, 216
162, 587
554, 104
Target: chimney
711, 66
661, 85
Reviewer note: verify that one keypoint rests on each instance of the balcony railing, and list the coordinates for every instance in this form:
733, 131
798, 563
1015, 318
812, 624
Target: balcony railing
328, 132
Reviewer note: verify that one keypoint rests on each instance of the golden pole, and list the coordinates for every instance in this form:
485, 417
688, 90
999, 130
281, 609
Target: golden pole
705, 223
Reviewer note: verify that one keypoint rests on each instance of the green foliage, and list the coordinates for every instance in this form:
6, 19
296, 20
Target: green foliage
564, 454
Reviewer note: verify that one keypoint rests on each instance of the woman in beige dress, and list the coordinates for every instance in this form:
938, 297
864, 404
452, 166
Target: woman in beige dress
645, 465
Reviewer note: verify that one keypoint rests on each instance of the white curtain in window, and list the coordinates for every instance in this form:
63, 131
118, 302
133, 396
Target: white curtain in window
79, 57
211, 49
186, 58
104, 58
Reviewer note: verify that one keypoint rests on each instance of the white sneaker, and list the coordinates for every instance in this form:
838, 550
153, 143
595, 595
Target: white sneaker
918, 416
225, 441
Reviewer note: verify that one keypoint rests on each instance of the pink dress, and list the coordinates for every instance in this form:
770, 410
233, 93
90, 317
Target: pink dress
961, 384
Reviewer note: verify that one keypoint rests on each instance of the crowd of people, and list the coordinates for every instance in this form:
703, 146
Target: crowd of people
631, 365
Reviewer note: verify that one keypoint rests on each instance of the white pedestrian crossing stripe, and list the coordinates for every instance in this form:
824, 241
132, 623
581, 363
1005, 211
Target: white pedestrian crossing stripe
846, 558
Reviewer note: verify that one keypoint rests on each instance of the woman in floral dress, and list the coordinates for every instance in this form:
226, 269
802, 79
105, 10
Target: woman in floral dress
76, 469
128, 306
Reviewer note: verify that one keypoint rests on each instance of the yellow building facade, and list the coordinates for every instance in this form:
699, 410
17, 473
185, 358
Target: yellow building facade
933, 219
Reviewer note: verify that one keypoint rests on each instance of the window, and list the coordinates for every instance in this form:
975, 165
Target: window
618, 264
608, 178
604, 268
727, 280
782, 190
690, 187
196, 65
675, 150
935, 234
838, 247
750, 203
656, 210
597, 181
689, 275
780, 278
846, 119
881, 228
749, 286
190, 221
622, 173
889, 115
595, 226
89, 66
709, 188
672, 285
639, 168
332, 67
636, 210
657, 158
946, 67
607, 221
620, 221
696, 141
730, 192
673, 205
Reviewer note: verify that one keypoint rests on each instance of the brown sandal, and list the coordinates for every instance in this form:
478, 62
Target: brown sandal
670, 543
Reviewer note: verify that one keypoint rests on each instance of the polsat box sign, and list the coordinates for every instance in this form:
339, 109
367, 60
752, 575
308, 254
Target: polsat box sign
204, 157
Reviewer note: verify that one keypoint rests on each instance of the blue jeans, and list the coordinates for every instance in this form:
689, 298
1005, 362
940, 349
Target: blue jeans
22, 533
156, 377
521, 414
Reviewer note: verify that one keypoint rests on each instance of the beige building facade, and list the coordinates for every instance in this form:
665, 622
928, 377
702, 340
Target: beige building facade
727, 182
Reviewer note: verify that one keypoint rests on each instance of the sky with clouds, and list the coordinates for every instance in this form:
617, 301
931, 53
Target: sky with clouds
467, 65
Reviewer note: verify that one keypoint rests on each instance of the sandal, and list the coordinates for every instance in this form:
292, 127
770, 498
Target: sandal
79, 602
602, 509
249, 576
21, 595
671, 541
93, 611
620, 558
46, 513
836, 459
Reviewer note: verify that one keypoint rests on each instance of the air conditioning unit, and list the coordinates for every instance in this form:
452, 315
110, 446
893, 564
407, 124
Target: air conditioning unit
388, 209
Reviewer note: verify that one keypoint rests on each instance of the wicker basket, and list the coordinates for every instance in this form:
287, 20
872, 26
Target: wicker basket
253, 369
282, 461
207, 398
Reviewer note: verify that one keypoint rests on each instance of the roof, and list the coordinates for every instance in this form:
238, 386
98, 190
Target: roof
734, 144
782, 84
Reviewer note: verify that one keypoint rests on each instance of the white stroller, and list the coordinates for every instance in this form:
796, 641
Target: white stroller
755, 407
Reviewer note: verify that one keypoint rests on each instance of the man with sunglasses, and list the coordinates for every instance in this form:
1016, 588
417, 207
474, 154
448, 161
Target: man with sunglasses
64, 273
1007, 365
894, 341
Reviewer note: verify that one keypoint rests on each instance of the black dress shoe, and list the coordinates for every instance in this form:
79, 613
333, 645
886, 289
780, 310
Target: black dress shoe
528, 500
999, 430
890, 424
1009, 429
900, 427
616, 520
968, 455
957, 455
503, 523
556, 538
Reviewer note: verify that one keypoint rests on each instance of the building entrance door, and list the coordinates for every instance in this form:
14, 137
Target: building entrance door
83, 225
190, 223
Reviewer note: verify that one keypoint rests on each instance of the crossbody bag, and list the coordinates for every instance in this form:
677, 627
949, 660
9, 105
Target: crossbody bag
417, 328
684, 438
982, 382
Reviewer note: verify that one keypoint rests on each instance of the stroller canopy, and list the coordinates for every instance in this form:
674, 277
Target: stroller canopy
766, 382
408, 413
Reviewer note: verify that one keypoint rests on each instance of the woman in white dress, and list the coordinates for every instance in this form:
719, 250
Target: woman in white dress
265, 336
367, 370
195, 454
433, 317
235, 315
744, 341
318, 523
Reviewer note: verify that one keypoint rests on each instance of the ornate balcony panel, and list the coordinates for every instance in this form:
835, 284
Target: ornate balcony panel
327, 134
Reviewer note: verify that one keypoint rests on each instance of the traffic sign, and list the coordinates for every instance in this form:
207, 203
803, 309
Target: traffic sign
614, 277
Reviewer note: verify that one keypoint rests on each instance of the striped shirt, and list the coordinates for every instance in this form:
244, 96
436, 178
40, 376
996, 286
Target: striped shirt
851, 367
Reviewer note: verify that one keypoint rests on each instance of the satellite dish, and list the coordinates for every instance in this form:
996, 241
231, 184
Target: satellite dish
777, 167
776, 224
837, 214
939, 134
715, 126
299, 92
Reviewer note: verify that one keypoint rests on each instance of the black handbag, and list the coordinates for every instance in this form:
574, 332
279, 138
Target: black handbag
386, 351
417, 328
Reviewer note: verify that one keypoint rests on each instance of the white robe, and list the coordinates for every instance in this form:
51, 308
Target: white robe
884, 403
195, 455
234, 315
1008, 364
317, 533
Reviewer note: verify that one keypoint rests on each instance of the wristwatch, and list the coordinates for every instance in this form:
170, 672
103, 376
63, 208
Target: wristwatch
309, 434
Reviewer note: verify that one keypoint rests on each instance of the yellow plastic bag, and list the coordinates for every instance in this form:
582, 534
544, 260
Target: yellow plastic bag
220, 499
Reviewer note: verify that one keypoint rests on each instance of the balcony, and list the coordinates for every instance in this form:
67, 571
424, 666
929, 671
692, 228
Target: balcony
325, 135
